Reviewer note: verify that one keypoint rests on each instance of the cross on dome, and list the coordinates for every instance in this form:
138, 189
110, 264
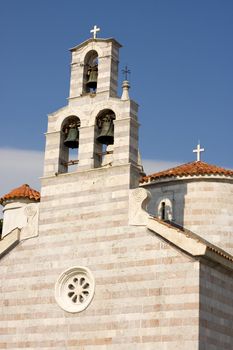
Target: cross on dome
198, 150
94, 31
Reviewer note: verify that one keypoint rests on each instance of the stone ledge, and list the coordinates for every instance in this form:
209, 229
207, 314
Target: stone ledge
190, 243
8, 242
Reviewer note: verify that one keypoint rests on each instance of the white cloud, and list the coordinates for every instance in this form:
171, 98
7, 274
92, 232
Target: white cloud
154, 165
18, 167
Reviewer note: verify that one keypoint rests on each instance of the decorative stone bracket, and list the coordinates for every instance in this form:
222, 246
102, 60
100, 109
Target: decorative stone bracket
15, 230
24, 218
31, 211
138, 200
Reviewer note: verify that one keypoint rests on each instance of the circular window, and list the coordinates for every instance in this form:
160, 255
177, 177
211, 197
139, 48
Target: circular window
74, 289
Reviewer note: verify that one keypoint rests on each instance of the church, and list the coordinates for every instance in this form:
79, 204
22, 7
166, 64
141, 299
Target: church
106, 257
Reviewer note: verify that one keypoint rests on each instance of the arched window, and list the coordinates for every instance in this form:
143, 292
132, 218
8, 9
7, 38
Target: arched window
90, 72
164, 209
69, 144
104, 138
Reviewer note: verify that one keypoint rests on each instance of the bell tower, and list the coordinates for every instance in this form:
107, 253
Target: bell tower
92, 143
94, 67
96, 122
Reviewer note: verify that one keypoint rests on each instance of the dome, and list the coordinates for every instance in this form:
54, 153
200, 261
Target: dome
24, 191
197, 196
197, 168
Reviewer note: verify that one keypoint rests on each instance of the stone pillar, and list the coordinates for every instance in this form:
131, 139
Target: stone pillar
52, 153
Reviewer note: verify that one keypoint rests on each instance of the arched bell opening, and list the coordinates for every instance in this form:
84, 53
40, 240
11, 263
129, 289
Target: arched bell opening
104, 138
90, 73
69, 144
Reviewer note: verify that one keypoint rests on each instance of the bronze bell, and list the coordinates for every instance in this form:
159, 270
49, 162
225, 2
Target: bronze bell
92, 77
106, 133
72, 139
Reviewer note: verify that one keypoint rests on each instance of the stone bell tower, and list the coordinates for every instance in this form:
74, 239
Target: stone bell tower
92, 143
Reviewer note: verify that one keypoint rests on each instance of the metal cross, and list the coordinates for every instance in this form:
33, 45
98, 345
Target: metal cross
94, 31
198, 150
126, 71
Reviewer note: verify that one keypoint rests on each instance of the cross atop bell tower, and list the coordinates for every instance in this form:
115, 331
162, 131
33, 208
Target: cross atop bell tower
94, 67
94, 31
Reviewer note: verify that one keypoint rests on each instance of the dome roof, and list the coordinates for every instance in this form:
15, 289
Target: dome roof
197, 168
24, 191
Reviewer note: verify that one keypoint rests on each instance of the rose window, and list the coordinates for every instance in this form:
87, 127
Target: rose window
74, 289
78, 289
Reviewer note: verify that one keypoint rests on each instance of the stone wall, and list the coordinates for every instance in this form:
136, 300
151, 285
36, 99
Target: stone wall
216, 308
204, 206
146, 292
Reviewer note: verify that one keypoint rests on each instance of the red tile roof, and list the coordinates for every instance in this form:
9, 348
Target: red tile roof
196, 168
24, 191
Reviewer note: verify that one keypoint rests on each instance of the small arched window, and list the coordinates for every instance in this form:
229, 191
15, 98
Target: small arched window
69, 144
104, 138
164, 209
90, 73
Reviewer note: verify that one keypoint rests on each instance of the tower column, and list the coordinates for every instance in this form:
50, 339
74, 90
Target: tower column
53, 157
126, 141
86, 147
76, 79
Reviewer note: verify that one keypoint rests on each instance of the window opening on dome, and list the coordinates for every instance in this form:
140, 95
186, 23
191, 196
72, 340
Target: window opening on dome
163, 213
1, 225
164, 209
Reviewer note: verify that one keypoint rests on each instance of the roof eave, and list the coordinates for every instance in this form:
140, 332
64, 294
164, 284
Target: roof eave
158, 180
190, 243
84, 43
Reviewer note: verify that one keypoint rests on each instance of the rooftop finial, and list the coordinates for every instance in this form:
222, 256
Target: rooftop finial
126, 72
94, 31
198, 150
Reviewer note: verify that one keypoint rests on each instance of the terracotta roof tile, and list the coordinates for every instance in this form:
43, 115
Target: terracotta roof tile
196, 168
24, 191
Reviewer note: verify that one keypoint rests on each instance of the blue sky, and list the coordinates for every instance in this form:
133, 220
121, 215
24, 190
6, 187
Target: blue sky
180, 53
